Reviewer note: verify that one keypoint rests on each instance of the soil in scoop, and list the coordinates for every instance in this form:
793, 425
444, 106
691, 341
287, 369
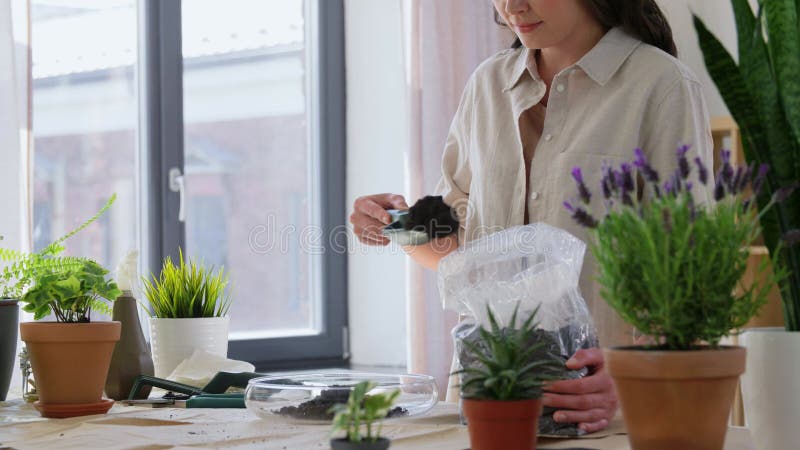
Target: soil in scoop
318, 408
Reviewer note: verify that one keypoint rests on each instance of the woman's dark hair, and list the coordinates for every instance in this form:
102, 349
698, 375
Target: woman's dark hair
642, 19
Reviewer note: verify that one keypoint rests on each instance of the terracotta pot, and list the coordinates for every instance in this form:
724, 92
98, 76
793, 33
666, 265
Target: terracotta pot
503, 425
676, 399
70, 360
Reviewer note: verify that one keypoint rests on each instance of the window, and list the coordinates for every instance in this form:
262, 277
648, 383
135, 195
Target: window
240, 100
247, 145
84, 123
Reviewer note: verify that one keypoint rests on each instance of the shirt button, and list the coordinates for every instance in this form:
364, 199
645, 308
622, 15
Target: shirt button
534, 195
548, 137
560, 88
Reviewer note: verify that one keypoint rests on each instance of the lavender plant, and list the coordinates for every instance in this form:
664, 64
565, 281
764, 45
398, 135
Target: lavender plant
668, 264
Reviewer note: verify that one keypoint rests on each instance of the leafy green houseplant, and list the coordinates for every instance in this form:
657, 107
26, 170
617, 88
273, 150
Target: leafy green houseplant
669, 266
502, 396
762, 92
362, 411
70, 357
189, 305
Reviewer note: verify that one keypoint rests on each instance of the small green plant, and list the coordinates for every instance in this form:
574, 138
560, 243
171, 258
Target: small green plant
363, 410
669, 266
187, 291
507, 370
69, 287
71, 293
21, 268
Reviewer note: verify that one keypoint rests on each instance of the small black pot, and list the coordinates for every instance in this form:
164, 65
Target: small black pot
9, 324
344, 444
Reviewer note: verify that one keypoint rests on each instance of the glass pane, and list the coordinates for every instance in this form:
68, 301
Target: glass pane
84, 124
249, 202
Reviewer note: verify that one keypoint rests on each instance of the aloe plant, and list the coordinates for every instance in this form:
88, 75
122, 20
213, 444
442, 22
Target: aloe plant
509, 369
762, 91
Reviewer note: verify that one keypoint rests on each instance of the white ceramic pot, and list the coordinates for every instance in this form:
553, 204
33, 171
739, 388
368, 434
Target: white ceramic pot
173, 340
771, 387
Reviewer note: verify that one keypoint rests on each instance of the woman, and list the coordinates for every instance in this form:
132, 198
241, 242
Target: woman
587, 82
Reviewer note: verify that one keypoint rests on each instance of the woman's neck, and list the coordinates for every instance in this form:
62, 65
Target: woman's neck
554, 59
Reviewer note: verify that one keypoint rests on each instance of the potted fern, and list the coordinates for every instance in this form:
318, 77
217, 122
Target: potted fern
762, 92
362, 411
501, 397
69, 356
189, 313
669, 266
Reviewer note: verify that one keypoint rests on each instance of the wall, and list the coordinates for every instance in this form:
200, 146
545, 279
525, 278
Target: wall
376, 142
718, 17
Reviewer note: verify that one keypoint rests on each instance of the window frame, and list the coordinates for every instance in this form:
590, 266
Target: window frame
161, 136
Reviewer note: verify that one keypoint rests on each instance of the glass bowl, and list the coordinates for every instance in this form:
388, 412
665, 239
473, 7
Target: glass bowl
308, 397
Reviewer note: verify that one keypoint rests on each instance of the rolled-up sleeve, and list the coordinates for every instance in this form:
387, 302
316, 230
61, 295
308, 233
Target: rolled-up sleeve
680, 118
456, 177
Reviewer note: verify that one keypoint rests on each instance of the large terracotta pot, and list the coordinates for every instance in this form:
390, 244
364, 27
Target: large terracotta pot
771, 387
70, 363
507, 425
676, 399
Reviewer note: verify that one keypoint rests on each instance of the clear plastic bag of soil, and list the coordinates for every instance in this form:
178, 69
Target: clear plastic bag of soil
531, 266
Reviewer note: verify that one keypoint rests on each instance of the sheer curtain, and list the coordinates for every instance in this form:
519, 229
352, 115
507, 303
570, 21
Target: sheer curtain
15, 131
445, 40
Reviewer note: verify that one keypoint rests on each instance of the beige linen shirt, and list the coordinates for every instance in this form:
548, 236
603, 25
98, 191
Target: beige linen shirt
622, 95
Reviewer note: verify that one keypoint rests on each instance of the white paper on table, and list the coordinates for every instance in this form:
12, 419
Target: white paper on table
198, 369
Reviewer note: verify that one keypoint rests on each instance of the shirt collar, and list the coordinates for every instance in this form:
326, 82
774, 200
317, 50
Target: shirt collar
600, 63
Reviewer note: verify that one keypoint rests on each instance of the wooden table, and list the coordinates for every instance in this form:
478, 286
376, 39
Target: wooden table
153, 429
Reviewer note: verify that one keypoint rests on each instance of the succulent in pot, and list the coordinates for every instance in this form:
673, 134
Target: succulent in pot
669, 265
501, 397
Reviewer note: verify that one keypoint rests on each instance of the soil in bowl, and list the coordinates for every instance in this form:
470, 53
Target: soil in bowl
318, 408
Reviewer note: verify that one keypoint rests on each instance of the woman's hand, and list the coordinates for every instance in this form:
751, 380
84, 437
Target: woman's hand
370, 216
591, 401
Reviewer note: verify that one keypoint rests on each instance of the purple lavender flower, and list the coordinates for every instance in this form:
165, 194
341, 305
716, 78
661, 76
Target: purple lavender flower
627, 178
604, 184
719, 190
683, 163
581, 216
702, 171
783, 193
647, 170
690, 203
725, 170
627, 200
746, 177
733, 186
668, 188
583, 191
